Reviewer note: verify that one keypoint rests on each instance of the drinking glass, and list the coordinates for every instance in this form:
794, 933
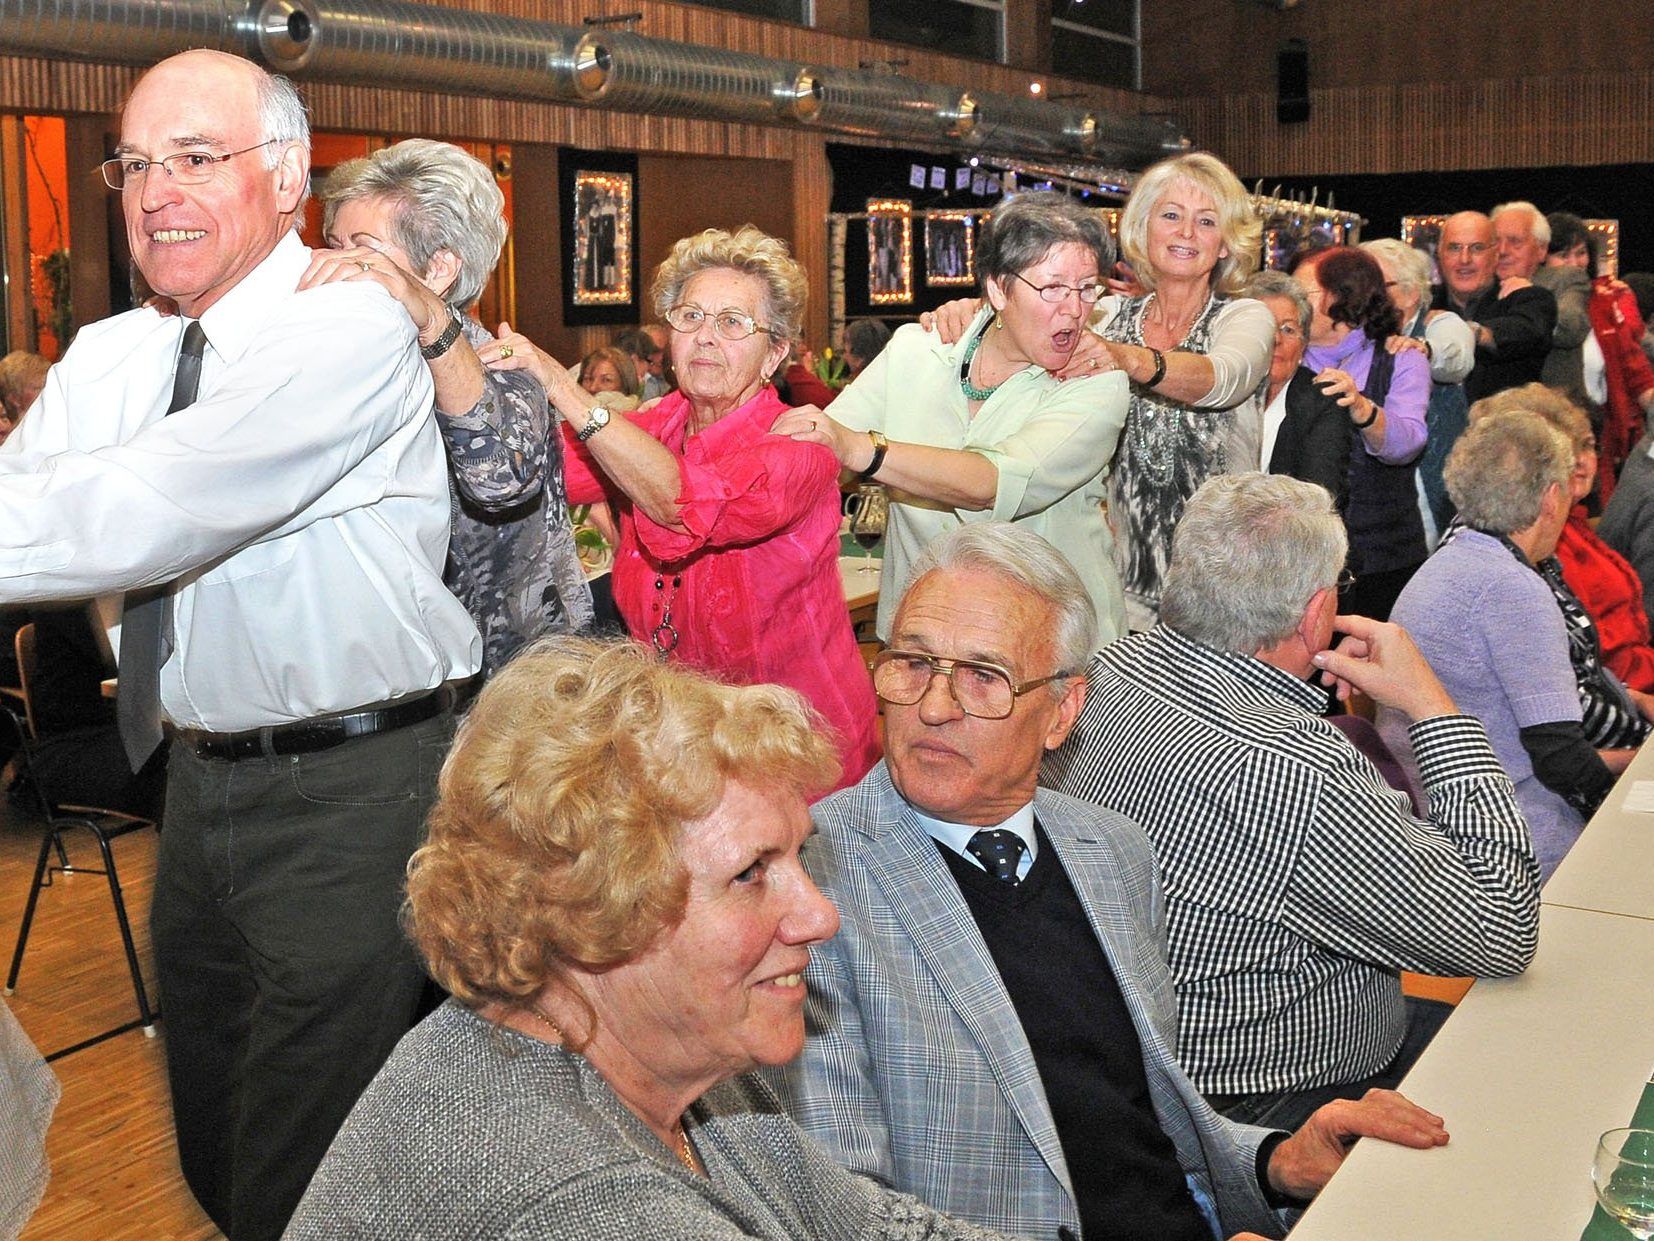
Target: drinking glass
869, 507
1623, 1174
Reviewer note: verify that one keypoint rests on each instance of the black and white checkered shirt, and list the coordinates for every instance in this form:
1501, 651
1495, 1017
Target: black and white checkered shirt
1297, 881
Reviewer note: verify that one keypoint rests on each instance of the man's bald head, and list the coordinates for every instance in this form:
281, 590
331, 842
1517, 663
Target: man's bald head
197, 226
1467, 254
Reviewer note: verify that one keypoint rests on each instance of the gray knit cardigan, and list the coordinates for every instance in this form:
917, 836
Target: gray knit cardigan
475, 1131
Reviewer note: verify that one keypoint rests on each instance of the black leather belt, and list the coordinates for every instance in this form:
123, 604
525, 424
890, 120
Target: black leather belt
308, 736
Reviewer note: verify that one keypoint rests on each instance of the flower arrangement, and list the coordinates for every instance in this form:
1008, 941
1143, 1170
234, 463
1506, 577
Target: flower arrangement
831, 369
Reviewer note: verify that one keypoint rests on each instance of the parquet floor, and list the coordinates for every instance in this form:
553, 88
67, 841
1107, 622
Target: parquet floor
114, 1163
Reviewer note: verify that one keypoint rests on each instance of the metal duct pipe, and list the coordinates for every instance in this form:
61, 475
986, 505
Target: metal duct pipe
1017, 123
130, 32
428, 47
420, 46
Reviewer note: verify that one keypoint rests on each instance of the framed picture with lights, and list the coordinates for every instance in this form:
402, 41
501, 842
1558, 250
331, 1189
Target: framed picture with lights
598, 203
1424, 232
889, 251
950, 249
1606, 233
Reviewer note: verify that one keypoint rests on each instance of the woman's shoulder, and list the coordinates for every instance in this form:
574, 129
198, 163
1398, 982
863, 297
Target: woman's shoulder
1242, 316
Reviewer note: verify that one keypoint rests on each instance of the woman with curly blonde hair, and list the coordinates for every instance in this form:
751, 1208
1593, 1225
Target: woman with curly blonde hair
612, 891
728, 556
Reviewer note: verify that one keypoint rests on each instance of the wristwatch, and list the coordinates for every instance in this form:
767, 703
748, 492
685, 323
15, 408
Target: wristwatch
597, 417
442, 344
880, 447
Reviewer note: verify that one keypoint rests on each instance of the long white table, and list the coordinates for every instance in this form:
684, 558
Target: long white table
1611, 867
1528, 1072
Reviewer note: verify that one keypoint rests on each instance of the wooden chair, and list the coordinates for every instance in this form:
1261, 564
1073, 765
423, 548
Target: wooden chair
102, 824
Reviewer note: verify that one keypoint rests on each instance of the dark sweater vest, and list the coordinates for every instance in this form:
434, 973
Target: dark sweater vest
1386, 528
1127, 1182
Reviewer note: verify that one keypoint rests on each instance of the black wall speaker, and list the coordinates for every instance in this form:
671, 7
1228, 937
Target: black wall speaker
1292, 82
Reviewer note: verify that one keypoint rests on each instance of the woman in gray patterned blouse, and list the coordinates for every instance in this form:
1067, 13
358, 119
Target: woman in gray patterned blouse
1196, 353
425, 220
611, 890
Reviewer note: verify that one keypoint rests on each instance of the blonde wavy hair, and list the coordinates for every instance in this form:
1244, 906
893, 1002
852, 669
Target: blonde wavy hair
1238, 220
554, 842
749, 250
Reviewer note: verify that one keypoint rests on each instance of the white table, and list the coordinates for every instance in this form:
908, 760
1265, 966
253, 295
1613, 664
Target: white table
1611, 867
1527, 1072
860, 589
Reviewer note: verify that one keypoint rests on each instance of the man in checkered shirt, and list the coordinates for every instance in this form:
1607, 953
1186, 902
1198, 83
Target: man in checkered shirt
1298, 884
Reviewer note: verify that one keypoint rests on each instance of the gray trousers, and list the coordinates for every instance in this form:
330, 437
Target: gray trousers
285, 978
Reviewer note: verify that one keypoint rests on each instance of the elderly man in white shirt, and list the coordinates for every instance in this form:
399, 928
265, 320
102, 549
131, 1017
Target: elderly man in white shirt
280, 488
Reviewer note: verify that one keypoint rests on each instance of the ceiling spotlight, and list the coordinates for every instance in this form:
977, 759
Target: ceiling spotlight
1035, 88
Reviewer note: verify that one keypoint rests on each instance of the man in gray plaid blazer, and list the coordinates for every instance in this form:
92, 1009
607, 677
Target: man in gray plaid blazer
974, 959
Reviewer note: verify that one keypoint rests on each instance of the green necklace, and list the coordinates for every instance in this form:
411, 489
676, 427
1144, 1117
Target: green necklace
972, 392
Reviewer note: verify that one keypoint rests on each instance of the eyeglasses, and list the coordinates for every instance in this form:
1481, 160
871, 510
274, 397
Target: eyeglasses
730, 324
1346, 582
1477, 248
1089, 293
981, 689
126, 172
1289, 331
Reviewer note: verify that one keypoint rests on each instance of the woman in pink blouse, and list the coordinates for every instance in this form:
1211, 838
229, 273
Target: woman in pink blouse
728, 556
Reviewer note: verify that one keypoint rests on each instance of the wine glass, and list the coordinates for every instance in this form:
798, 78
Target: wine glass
1623, 1174
869, 507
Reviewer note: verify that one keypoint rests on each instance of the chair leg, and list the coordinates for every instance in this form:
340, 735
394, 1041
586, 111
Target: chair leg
47, 840
126, 934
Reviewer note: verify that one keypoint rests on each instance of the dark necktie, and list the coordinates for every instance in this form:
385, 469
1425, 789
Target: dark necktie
146, 614
1000, 853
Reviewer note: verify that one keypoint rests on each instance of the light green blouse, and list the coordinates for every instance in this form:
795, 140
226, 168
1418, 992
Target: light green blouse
1051, 440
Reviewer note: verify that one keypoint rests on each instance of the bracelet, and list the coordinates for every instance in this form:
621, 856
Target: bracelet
880, 447
1371, 418
442, 344
1159, 367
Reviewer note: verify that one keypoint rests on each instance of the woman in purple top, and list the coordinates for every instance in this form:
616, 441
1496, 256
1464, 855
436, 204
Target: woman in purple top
1489, 626
1386, 396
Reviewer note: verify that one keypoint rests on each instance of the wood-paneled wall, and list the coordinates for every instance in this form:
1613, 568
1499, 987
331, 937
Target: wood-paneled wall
1208, 48
1561, 120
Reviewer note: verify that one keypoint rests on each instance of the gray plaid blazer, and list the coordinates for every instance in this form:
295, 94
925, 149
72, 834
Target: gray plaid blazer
916, 1070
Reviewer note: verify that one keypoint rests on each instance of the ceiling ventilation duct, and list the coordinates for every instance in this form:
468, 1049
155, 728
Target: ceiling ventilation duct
396, 43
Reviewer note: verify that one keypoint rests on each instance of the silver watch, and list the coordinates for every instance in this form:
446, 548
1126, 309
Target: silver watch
597, 417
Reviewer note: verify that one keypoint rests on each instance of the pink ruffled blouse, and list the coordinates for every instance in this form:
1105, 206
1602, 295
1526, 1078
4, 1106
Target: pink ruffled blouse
752, 581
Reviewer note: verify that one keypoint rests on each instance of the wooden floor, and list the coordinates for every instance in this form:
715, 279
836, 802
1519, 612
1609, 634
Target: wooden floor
114, 1163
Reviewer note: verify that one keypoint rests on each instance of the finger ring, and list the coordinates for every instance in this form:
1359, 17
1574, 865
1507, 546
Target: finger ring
1093, 363
364, 264
812, 424
506, 351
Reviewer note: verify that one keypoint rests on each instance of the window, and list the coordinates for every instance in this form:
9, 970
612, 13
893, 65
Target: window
1097, 40
960, 27
799, 11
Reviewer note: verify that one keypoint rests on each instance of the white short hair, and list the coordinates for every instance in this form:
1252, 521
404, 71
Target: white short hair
1541, 229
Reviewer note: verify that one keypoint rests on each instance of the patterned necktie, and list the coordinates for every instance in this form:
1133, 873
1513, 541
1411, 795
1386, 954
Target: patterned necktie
146, 614
999, 851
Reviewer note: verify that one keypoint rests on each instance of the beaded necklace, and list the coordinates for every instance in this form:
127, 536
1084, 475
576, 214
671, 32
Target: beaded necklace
971, 391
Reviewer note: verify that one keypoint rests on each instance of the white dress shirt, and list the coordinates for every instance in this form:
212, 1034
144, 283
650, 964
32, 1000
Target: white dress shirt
956, 836
1274, 414
300, 504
